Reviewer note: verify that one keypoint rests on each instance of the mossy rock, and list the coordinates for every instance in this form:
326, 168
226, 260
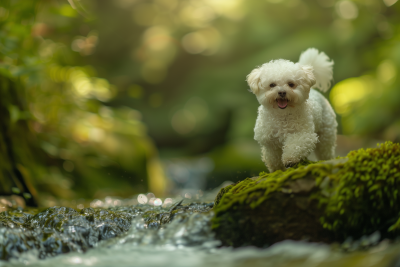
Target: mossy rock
323, 201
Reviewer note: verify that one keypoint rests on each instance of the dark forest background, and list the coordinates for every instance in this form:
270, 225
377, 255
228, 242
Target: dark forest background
101, 98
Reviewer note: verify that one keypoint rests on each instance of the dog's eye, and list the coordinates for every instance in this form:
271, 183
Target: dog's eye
291, 84
272, 85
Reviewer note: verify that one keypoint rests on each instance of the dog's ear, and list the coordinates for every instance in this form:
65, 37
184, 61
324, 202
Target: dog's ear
309, 72
253, 79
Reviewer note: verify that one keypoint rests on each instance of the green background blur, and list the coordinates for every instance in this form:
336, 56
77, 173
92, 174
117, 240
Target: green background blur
120, 97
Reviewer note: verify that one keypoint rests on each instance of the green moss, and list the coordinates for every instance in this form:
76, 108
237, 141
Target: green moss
221, 193
254, 191
364, 193
357, 194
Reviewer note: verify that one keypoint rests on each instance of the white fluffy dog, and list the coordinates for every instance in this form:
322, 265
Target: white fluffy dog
294, 119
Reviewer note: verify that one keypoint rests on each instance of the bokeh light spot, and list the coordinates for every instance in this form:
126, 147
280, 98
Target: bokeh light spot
347, 9
157, 38
205, 41
232, 9
347, 92
157, 202
151, 201
167, 202
386, 71
85, 45
142, 199
390, 2
67, 11
194, 43
96, 134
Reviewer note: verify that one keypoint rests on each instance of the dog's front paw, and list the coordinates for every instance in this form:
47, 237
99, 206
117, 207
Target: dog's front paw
290, 164
293, 163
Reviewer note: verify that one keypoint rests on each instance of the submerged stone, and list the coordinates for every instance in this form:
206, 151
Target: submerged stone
325, 201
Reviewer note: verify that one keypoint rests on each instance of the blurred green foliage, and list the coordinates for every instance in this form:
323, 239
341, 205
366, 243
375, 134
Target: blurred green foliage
91, 74
56, 128
17, 68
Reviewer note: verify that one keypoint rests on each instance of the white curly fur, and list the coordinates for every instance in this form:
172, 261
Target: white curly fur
322, 67
293, 119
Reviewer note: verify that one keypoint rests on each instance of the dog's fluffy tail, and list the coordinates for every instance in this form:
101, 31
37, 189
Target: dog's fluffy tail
323, 68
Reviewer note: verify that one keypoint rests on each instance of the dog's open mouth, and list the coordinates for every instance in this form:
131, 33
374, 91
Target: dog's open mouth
282, 103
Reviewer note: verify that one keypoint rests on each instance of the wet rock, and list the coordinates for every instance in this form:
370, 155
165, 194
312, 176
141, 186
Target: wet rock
15, 241
13, 218
52, 218
59, 230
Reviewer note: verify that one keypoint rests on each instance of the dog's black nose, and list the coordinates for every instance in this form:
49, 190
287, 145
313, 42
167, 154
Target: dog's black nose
282, 94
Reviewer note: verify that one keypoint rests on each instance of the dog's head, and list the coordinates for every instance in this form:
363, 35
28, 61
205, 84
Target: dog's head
281, 83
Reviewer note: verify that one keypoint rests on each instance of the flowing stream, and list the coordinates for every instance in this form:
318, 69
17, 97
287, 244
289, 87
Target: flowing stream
161, 236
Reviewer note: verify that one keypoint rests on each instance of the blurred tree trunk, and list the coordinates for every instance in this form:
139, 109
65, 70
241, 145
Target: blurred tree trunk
15, 152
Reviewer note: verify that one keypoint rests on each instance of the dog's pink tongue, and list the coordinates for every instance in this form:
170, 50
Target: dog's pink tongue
282, 103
